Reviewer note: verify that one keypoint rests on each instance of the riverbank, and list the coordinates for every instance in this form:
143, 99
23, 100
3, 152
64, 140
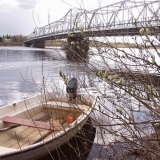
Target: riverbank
114, 45
96, 44
11, 44
59, 43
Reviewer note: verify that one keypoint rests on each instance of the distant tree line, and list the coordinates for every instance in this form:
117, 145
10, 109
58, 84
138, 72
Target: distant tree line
12, 38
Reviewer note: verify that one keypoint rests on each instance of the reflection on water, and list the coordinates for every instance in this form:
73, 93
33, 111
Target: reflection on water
21, 71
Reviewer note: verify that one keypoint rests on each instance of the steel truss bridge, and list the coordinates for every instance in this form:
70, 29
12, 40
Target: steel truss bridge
126, 17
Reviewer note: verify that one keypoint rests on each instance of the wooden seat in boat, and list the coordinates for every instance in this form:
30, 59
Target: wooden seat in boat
34, 124
81, 107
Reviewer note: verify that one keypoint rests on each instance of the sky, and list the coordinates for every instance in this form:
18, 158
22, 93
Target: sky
22, 16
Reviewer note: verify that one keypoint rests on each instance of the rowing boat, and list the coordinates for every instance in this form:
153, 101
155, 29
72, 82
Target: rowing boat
36, 126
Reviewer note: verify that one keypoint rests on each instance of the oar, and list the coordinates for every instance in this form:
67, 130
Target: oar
8, 128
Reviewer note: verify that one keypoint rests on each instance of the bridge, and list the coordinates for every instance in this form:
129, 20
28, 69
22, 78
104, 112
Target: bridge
126, 17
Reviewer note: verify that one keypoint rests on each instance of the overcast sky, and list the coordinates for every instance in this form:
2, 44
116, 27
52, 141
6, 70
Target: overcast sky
21, 16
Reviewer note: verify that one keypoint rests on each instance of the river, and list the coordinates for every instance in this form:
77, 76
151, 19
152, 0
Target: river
25, 72
22, 71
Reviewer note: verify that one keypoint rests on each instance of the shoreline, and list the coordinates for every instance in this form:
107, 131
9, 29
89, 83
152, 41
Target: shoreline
11, 44
91, 44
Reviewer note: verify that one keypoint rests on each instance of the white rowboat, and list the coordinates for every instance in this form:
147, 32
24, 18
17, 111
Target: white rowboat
36, 126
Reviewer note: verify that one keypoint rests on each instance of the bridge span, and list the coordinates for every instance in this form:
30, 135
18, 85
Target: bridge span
126, 17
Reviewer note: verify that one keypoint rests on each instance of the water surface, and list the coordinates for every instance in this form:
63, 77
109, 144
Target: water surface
22, 71
27, 71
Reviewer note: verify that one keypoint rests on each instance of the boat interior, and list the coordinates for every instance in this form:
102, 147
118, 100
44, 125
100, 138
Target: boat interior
51, 113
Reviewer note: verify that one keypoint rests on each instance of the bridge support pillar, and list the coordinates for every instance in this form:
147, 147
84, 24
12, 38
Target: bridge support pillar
27, 44
77, 47
38, 45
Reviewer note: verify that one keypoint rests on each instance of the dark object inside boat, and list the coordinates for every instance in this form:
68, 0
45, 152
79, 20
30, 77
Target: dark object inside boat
72, 88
